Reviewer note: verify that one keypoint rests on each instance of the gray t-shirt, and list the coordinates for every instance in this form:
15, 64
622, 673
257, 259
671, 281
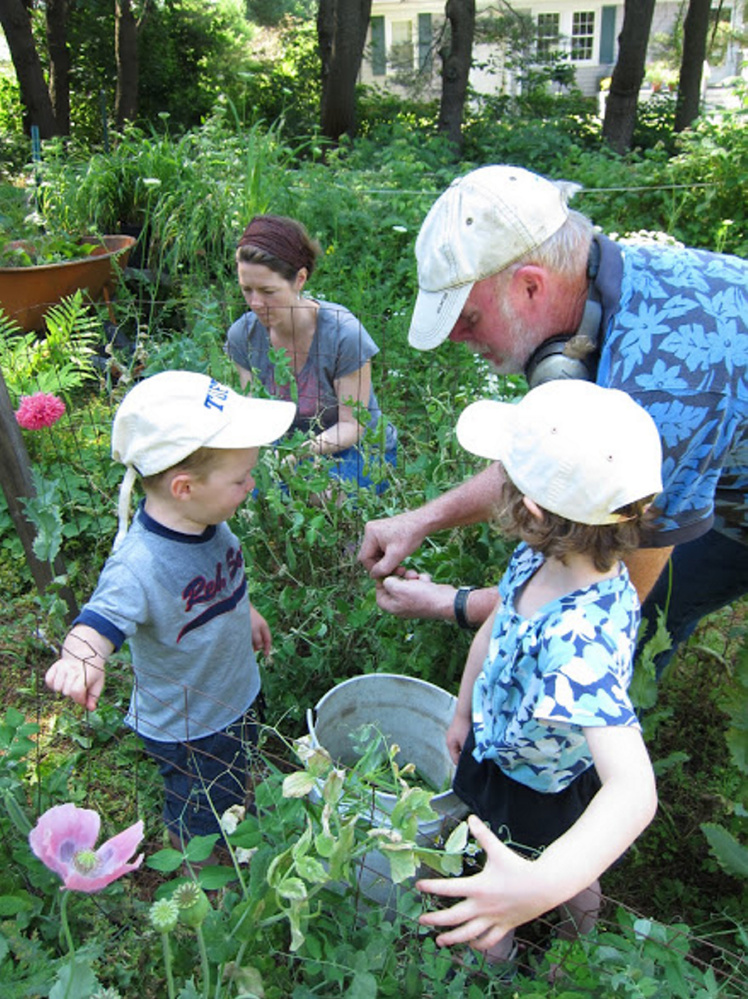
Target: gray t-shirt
340, 346
181, 601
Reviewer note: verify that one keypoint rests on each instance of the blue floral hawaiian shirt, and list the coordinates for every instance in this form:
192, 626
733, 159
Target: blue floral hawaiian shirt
547, 677
676, 339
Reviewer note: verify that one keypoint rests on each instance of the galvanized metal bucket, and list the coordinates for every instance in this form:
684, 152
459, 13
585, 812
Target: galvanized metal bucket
410, 713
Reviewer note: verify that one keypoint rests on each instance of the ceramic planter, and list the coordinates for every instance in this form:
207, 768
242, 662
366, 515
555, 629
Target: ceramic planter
26, 293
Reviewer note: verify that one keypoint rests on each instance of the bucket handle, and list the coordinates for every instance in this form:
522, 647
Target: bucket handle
310, 727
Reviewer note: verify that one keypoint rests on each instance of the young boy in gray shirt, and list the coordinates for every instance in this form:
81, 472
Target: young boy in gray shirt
175, 588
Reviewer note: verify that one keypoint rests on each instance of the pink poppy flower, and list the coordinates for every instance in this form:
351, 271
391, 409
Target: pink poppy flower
64, 839
39, 410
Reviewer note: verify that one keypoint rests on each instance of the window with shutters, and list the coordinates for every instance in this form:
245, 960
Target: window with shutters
582, 35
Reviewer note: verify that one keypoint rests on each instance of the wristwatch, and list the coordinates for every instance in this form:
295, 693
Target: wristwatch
460, 606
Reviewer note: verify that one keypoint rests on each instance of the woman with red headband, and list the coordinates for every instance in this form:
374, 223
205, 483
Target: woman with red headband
328, 349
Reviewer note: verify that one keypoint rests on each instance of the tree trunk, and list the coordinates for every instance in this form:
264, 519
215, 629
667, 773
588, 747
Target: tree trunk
620, 110
126, 55
695, 31
341, 36
456, 63
35, 98
59, 62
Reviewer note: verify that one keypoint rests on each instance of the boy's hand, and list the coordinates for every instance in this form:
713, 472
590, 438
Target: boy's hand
75, 678
79, 672
261, 637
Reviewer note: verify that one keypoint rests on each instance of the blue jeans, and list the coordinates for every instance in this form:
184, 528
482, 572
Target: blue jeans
707, 573
204, 777
351, 465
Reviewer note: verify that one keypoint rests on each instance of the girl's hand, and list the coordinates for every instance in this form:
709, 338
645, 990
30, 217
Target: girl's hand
503, 895
457, 734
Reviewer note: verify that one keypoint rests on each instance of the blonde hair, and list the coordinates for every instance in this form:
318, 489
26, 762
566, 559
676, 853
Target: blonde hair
199, 464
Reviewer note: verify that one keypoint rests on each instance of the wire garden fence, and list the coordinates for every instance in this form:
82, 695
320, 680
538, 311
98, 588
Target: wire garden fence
56, 528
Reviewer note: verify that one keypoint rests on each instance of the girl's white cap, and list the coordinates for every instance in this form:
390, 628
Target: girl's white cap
577, 449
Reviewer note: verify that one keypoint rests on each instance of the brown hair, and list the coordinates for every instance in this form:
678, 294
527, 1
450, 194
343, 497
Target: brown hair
557, 537
279, 243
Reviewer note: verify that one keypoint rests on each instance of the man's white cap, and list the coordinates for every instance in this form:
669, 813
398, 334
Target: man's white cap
578, 450
481, 224
167, 417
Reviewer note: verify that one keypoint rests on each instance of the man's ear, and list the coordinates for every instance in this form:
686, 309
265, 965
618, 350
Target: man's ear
530, 279
180, 487
533, 507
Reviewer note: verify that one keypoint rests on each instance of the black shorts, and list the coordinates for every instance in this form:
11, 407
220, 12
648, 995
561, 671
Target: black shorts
520, 816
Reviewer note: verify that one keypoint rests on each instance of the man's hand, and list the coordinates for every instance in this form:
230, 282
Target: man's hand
387, 542
412, 594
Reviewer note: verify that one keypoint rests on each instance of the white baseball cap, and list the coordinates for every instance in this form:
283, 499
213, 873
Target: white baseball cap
168, 416
577, 449
481, 224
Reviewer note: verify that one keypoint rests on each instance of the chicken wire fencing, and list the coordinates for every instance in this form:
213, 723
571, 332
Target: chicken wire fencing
59, 394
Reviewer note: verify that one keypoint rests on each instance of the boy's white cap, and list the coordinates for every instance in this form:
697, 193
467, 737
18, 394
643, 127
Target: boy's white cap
579, 450
167, 417
481, 224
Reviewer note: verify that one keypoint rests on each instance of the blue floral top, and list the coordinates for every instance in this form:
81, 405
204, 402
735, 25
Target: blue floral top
676, 339
547, 677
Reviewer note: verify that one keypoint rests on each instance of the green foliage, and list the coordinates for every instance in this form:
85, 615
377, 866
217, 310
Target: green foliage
48, 249
276, 925
14, 147
281, 82
272, 12
190, 53
192, 195
731, 854
43, 510
59, 360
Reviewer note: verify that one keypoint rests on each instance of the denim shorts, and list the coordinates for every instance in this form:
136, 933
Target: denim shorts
204, 777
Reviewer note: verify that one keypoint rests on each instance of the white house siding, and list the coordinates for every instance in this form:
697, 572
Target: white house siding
391, 16
605, 20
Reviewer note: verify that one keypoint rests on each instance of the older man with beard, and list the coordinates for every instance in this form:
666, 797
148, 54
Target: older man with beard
506, 267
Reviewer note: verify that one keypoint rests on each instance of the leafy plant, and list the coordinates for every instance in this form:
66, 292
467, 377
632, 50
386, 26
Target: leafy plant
365, 203
45, 250
57, 362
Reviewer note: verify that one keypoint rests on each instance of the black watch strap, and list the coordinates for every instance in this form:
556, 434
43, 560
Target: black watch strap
460, 606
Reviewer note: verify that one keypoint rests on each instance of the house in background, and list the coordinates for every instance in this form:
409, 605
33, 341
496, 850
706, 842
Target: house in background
404, 36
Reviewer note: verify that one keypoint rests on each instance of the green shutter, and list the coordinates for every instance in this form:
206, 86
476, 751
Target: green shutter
608, 35
425, 42
378, 53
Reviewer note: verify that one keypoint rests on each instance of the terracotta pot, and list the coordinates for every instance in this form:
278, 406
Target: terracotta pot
26, 293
